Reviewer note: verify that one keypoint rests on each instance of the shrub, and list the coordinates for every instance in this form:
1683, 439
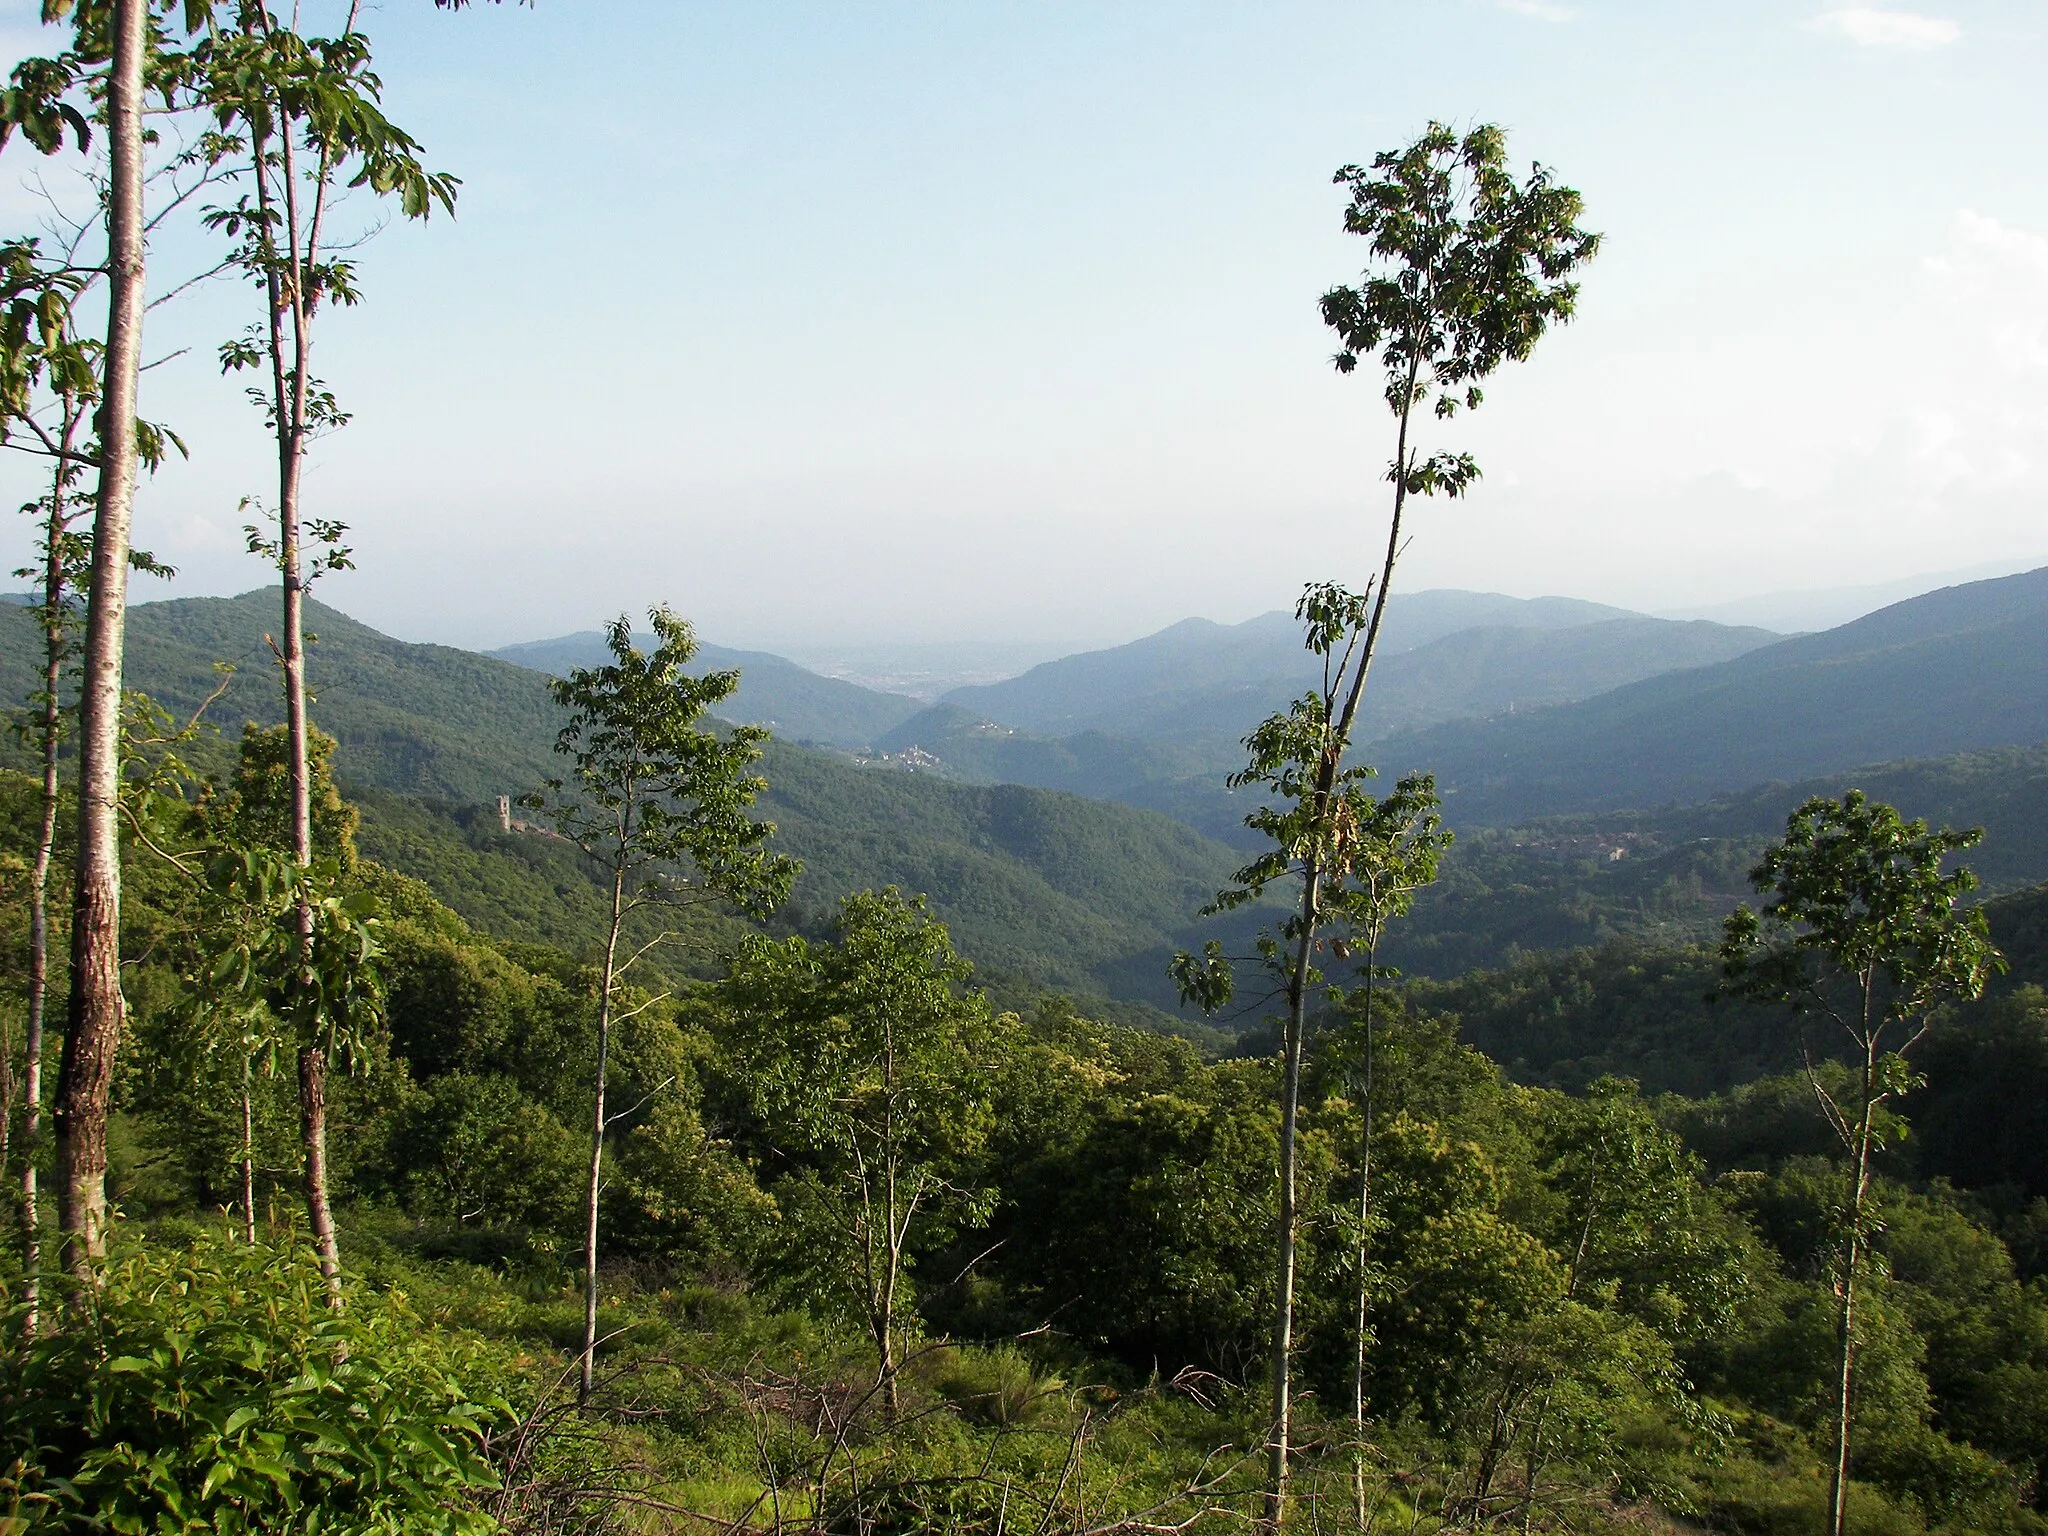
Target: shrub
210, 1388
993, 1386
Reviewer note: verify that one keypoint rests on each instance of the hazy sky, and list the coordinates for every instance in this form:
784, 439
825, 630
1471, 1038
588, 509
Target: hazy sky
861, 322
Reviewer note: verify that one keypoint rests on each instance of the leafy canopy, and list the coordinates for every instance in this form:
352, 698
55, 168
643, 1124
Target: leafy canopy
1366, 857
658, 800
1859, 899
1469, 267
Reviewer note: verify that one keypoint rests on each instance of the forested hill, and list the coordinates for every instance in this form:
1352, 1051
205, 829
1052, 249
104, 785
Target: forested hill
1654, 1013
1200, 687
1042, 889
1669, 876
1957, 670
419, 719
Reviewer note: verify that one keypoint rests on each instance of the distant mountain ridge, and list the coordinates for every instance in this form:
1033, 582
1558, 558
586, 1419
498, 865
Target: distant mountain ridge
1178, 702
1074, 692
1960, 669
1445, 656
1091, 896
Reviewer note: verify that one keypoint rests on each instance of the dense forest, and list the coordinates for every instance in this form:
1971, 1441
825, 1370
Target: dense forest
442, 1092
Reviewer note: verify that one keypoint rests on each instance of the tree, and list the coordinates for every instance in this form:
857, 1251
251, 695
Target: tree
1864, 929
290, 964
1470, 267
1317, 815
302, 113
49, 389
97, 1011
1397, 845
256, 810
866, 1062
40, 355
660, 805
1640, 1233
116, 45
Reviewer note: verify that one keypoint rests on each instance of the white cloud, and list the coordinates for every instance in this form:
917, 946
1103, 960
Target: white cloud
1983, 373
1542, 10
1871, 28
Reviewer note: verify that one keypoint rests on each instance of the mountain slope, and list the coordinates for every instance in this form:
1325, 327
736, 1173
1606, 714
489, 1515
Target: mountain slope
1958, 670
1654, 1013
1094, 763
421, 719
1066, 892
1670, 876
1202, 686
1196, 655
795, 703
1047, 889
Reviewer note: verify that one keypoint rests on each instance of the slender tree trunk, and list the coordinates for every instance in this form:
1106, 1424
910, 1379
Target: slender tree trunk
39, 878
8, 1085
290, 386
1392, 558
1364, 1250
248, 1158
1845, 1315
894, 1232
1291, 1045
97, 1011
1283, 1278
885, 1321
313, 1103
587, 1367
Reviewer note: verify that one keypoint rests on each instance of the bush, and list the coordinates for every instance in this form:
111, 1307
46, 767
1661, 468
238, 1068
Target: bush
992, 1386
212, 1389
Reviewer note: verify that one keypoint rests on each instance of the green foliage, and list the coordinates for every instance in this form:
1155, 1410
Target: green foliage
293, 940
870, 1077
212, 1389
1862, 928
1859, 895
1147, 1230
1359, 861
1470, 268
1555, 1283
253, 808
472, 1147
657, 800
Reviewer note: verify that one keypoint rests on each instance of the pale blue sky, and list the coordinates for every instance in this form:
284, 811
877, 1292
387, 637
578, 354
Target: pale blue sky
997, 320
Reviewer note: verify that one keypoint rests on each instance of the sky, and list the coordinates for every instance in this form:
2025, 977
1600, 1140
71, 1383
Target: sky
884, 323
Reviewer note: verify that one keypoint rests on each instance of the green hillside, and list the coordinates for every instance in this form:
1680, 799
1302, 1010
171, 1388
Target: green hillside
1097, 763
420, 719
1962, 669
1650, 1012
1559, 884
1042, 890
